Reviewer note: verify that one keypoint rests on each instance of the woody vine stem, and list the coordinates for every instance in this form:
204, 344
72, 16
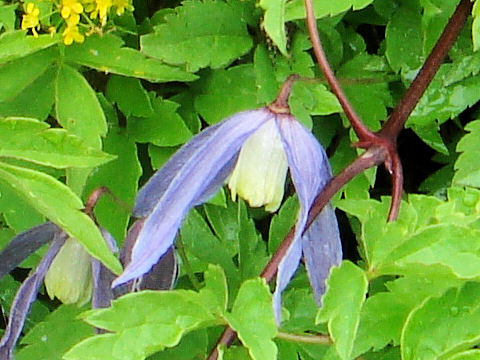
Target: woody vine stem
381, 146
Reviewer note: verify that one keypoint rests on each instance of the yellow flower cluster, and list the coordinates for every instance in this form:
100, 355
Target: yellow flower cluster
71, 12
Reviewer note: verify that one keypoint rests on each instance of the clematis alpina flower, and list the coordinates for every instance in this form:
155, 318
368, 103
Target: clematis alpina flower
199, 168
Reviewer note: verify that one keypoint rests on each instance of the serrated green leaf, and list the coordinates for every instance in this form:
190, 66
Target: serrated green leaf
143, 323
163, 128
443, 326
56, 334
226, 92
215, 292
296, 10
404, 39
253, 305
452, 91
129, 95
199, 34
204, 248
384, 314
35, 141
274, 22
342, 310
467, 166
106, 53
16, 75
58, 203
16, 44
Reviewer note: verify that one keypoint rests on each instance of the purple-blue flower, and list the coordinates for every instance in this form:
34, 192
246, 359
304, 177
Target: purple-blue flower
199, 168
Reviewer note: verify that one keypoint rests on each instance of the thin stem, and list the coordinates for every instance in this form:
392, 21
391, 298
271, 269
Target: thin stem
280, 105
360, 129
402, 111
304, 338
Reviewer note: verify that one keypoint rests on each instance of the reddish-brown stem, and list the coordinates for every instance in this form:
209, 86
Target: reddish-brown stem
363, 133
402, 111
280, 105
93, 198
372, 157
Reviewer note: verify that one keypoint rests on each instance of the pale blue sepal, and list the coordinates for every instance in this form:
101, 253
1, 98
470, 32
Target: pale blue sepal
182, 183
322, 249
25, 296
310, 172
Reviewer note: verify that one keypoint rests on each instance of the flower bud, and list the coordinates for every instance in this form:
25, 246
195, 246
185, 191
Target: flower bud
69, 277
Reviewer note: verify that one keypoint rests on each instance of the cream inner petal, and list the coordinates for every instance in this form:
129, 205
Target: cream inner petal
259, 175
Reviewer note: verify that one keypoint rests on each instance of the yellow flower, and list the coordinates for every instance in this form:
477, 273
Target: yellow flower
30, 18
71, 9
71, 34
122, 5
259, 175
69, 277
101, 9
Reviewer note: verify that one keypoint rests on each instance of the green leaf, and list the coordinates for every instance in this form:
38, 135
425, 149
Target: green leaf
7, 16
192, 346
204, 248
342, 310
16, 75
163, 128
77, 107
215, 292
144, 323
467, 166
443, 326
282, 222
58, 203
226, 92
476, 26
59, 331
274, 22
129, 95
384, 314
106, 53
35, 100
16, 44
452, 91
404, 39
110, 214
199, 34
35, 141
253, 305
466, 355
82, 116
296, 10
17, 213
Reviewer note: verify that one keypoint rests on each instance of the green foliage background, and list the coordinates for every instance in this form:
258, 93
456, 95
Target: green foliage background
111, 110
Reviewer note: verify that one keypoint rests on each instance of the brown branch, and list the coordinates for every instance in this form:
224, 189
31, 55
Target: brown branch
363, 133
402, 111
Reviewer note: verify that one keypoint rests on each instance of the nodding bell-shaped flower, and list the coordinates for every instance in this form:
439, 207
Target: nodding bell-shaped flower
260, 144
69, 277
